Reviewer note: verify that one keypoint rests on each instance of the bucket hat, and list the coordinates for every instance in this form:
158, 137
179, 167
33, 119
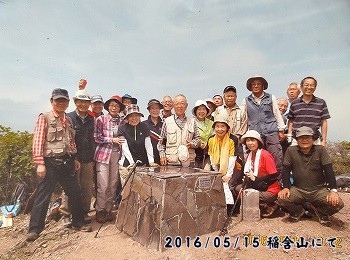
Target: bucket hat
117, 99
264, 81
132, 109
252, 134
198, 104
221, 118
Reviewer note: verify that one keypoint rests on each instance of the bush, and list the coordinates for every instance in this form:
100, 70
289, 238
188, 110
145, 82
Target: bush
15, 161
340, 154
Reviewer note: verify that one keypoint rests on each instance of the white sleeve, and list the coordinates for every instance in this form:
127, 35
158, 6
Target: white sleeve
149, 149
231, 166
127, 153
280, 123
215, 166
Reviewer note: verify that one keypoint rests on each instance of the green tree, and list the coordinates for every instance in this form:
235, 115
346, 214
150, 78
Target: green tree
15, 161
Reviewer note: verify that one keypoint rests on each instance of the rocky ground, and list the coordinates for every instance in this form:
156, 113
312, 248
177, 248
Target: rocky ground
245, 240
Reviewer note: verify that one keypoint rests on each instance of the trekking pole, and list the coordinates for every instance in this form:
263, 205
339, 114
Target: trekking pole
132, 169
224, 230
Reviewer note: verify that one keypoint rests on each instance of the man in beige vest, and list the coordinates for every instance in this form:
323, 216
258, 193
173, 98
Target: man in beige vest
179, 136
54, 152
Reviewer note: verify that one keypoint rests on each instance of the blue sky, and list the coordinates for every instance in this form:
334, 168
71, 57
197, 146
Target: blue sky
152, 48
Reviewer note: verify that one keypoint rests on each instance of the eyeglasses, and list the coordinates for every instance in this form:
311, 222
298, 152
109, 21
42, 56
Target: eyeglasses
256, 84
114, 106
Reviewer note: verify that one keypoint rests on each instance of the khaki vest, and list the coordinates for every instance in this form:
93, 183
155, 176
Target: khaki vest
177, 136
58, 139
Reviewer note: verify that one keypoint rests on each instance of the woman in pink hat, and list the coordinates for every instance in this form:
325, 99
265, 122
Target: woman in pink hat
107, 155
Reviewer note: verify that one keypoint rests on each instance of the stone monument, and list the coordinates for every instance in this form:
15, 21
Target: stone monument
250, 210
171, 201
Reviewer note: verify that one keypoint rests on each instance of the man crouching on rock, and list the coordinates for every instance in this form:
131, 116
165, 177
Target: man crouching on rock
312, 169
54, 154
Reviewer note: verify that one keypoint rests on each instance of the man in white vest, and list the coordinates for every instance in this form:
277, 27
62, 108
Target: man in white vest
179, 136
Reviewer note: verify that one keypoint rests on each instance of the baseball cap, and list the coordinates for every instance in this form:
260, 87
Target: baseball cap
96, 98
230, 88
60, 93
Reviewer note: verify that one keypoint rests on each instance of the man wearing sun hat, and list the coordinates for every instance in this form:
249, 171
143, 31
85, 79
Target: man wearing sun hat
313, 176
264, 117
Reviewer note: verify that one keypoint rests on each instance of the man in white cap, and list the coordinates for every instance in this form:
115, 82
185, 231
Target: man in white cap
312, 175
264, 117
83, 124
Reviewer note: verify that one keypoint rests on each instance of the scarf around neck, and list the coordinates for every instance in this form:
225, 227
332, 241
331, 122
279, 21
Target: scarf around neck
221, 153
248, 165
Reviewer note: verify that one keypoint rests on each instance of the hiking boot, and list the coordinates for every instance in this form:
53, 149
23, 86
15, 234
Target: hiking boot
87, 219
32, 236
110, 217
296, 217
308, 214
269, 210
83, 228
101, 216
66, 222
324, 220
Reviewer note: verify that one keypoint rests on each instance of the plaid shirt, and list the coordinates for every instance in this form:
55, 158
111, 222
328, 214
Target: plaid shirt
40, 137
104, 138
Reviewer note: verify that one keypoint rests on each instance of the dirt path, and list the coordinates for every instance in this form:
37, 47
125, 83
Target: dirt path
57, 242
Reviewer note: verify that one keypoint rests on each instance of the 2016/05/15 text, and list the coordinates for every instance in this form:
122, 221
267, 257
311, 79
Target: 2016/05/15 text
271, 242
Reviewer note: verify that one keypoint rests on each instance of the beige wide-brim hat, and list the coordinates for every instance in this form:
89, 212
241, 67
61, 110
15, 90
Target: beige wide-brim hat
198, 104
251, 134
221, 118
249, 82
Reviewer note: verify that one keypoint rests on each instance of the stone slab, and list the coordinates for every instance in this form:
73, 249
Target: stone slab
171, 201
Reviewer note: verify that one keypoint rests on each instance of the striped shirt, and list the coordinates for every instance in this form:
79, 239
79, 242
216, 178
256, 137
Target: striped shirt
39, 136
308, 114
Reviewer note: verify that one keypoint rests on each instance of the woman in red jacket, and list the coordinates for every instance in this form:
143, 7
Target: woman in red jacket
261, 170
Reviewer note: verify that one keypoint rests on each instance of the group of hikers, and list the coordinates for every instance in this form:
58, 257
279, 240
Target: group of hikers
276, 146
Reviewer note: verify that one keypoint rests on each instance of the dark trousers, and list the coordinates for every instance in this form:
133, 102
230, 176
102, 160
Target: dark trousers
63, 174
298, 197
273, 146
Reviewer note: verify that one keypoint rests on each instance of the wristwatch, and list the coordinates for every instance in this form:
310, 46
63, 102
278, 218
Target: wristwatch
334, 190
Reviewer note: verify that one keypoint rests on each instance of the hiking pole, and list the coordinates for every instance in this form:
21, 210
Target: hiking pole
132, 169
224, 230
